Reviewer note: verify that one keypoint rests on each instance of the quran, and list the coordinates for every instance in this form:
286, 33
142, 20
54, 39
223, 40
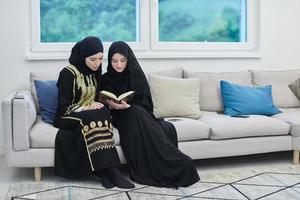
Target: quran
105, 95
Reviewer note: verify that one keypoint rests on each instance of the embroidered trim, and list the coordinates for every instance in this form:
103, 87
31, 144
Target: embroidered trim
99, 145
98, 135
97, 129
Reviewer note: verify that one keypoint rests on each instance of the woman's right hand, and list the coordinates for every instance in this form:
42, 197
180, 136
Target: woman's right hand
93, 106
117, 106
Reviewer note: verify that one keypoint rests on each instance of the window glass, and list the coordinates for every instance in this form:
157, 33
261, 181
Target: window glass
202, 20
72, 20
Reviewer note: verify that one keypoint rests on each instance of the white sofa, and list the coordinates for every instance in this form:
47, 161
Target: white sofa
30, 141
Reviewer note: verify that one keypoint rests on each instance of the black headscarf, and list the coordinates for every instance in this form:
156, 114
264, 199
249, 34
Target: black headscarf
131, 78
88, 46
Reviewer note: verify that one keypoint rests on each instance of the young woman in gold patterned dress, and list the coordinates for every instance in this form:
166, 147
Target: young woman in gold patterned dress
84, 143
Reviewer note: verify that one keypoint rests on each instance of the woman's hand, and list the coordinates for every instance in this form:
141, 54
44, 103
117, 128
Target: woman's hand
93, 106
117, 106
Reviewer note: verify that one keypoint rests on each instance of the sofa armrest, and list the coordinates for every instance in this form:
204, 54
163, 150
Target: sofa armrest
23, 116
7, 120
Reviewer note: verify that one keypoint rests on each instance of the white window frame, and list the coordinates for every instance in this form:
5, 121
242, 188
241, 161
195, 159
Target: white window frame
48, 51
210, 49
149, 45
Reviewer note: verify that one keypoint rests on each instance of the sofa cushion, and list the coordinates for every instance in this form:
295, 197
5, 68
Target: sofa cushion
280, 81
224, 127
247, 100
42, 135
210, 95
175, 97
39, 76
190, 129
47, 97
291, 116
175, 73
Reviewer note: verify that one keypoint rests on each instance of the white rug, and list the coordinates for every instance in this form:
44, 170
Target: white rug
282, 183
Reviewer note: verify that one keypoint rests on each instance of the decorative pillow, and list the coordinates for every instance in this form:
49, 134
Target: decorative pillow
47, 93
247, 100
175, 97
295, 87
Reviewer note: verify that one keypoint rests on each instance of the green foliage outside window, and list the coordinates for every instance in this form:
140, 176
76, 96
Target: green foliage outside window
72, 20
199, 20
111, 20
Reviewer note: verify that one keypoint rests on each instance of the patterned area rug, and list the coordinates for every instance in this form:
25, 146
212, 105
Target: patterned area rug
264, 184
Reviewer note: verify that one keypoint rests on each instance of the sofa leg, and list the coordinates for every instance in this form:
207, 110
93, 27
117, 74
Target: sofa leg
37, 174
296, 157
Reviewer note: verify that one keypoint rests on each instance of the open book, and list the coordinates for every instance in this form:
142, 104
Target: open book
105, 95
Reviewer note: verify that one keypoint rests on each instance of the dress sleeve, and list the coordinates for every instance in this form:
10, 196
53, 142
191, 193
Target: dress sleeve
66, 93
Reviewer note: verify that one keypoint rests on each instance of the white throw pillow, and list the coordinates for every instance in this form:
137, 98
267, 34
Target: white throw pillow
175, 97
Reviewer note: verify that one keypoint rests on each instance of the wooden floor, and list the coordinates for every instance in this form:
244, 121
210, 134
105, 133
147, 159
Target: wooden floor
10, 175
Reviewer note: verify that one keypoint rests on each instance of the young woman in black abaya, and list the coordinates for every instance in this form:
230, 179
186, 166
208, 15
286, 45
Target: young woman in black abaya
149, 144
84, 144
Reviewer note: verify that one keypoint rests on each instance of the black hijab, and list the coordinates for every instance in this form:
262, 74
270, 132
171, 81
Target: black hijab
131, 78
88, 46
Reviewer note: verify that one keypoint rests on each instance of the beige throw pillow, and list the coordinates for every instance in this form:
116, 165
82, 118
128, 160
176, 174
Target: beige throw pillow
295, 87
175, 97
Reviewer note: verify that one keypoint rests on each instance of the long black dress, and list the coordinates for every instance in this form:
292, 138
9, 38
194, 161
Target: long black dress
147, 143
84, 142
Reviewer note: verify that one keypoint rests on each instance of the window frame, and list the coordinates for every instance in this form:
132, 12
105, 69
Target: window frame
210, 49
148, 45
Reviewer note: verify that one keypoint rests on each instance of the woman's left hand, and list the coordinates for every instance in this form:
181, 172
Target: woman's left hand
93, 106
118, 106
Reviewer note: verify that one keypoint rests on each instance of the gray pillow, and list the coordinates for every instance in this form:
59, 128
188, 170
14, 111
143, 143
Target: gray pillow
175, 97
295, 87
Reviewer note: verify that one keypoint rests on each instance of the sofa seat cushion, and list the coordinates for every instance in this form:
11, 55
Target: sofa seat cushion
291, 116
224, 127
42, 135
190, 129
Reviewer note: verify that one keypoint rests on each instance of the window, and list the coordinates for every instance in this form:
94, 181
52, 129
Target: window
202, 21
153, 28
70, 21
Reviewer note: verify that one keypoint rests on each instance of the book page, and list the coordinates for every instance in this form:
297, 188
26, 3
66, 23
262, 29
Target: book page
124, 95
109, 94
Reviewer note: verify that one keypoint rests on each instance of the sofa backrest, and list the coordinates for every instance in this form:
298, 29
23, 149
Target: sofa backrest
282, 95
40, 76
173, 73
210, 94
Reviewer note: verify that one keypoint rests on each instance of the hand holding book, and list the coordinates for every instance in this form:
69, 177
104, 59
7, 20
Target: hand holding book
105, 95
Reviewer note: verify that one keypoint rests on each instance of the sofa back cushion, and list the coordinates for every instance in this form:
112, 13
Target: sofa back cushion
210, 94
280, 81
39, 76
174, 73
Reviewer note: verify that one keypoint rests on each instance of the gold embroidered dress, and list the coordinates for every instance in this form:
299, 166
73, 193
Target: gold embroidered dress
84, 143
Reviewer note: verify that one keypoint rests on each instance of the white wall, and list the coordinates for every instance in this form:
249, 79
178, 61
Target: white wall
279, 44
